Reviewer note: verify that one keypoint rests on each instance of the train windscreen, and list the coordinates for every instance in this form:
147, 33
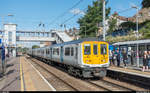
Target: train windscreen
103, 49
87, 49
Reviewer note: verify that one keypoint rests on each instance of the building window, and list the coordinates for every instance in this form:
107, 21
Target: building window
10, 36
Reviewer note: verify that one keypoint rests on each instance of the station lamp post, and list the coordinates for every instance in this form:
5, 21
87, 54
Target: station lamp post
137, 34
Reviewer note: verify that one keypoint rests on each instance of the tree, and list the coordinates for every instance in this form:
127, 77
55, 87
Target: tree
145, 3
24, 50
35, 46
112, 25
145, 30
127, 25
94, 15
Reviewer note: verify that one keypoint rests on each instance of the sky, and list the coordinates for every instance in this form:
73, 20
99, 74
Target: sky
28, 14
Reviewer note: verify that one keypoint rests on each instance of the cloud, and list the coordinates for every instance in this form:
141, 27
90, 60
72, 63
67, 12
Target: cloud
77, 11
131, 4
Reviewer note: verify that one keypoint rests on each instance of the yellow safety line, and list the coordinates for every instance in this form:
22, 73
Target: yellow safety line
21, 76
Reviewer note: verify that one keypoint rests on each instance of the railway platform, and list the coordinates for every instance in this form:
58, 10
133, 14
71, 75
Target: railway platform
131, 70
21, 75
130, 74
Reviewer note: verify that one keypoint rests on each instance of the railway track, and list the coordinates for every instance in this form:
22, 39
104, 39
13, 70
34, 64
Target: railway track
75, 84
108, 86
57, 79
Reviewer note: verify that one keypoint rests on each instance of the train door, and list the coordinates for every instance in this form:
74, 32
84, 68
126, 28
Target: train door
103, 53
87, 53
95, 55
76, 54
61, 54
51, 52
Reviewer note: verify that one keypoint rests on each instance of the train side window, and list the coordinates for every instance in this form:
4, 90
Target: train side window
103, 49
57, 50
47, 51
67, 51
72, 51
87, 49
43, 52
95, 50
53, 51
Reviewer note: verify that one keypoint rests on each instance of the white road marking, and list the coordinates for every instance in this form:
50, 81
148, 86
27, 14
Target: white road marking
53, 89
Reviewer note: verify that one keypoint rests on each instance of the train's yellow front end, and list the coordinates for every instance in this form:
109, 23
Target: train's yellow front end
95, 54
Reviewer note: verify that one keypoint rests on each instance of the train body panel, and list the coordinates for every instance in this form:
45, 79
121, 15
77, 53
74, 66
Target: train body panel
86, 57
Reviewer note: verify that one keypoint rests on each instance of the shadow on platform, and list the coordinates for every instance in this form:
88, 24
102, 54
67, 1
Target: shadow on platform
9, 72
9, 65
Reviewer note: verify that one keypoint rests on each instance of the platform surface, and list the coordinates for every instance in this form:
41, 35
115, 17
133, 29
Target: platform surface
21, 75
131, 70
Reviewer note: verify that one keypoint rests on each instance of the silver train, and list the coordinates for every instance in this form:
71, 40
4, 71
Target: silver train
77, 57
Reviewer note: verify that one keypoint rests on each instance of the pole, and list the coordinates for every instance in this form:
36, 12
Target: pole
137, 37
104, 20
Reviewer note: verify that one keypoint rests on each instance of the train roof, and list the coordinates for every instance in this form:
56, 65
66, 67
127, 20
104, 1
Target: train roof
133, 42
77, 41
74, 42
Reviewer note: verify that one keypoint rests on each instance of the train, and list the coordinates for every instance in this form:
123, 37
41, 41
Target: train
84, 58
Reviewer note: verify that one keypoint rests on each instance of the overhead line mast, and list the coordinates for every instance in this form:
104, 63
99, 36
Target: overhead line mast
104, 27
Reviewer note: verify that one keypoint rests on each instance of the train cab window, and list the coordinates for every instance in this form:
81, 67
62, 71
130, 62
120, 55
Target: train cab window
95, 50
87, 49
67, 51
72, 51
103, 49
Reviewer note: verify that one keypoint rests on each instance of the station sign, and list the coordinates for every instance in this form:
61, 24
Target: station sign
0, 41
111, 47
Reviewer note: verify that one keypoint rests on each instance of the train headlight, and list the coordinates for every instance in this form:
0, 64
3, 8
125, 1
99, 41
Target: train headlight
87, 61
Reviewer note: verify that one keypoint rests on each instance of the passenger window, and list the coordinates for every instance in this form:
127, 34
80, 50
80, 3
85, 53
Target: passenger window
67, 51
103, 49
72, 51
95, 50
57, 51
87, 49
48, 51
54, 51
